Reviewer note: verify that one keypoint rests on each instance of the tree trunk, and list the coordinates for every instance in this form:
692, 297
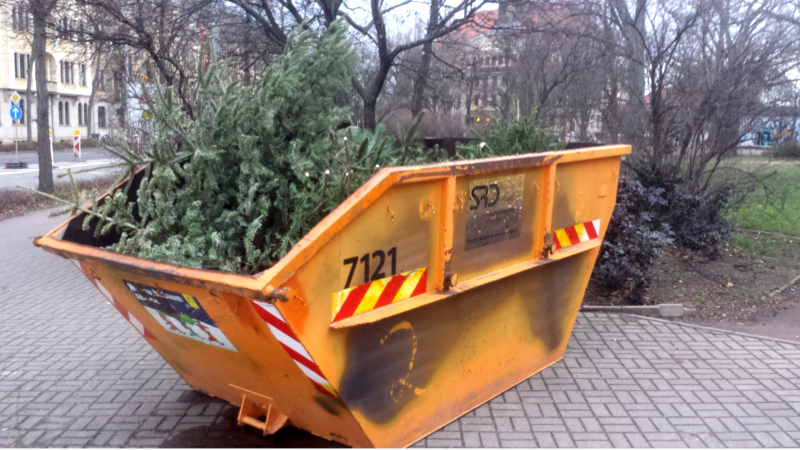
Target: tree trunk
370, 106
28, 104
425, 64
95, 82
40, 13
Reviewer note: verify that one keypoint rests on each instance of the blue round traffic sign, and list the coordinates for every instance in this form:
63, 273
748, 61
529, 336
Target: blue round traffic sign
16, 112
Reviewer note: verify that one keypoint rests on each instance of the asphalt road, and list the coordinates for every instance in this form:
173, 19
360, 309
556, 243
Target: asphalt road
91, 157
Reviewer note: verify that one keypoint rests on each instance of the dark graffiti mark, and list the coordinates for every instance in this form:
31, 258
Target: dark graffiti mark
482, 193
329, 404
390, 363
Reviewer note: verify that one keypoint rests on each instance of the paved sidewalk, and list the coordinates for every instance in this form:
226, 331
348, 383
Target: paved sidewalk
74, 373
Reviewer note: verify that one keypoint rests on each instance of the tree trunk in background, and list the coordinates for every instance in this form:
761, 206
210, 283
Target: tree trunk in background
28, 125
425, 65
41, 10
633, 30
370, 109
95, 82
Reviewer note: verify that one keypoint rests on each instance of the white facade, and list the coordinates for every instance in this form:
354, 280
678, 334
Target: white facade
69, 83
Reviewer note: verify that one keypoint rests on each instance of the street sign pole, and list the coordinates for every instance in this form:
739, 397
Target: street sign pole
16, 114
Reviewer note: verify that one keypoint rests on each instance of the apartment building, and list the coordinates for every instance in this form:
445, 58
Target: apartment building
69, 82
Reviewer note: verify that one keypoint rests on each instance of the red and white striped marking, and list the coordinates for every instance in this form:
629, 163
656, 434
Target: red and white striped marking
576, 234
379, 293
288, 340
110, 298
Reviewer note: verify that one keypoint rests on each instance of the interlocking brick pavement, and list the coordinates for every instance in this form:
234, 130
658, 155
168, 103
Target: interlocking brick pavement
74, 373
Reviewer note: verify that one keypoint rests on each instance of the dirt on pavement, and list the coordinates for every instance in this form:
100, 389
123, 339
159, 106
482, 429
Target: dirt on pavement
737, 291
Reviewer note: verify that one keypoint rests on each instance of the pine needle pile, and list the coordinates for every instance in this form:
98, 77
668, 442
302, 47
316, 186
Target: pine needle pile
259, 166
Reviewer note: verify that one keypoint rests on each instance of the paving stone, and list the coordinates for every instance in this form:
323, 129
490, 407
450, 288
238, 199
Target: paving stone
489, 440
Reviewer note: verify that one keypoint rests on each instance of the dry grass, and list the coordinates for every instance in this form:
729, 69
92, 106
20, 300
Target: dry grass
16, 202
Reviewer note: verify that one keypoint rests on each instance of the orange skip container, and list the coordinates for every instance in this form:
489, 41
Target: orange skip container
429, 291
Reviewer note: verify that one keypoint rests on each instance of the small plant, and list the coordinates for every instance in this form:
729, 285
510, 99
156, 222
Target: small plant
511, 137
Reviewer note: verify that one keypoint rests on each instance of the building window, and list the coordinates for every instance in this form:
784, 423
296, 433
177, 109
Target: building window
66, 113
120, 115
101, 117
61, 113
85, 114
82, 75
20, 20
67, 72
119, 81
21, 63
80, 114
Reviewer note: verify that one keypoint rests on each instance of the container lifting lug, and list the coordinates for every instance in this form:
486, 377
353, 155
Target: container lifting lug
549, 245
250, 413
450, 280
280, 294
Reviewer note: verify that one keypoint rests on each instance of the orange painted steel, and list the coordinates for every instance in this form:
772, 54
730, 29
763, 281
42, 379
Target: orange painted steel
429, 291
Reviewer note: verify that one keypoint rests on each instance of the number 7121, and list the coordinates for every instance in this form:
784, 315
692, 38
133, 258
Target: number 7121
380, 255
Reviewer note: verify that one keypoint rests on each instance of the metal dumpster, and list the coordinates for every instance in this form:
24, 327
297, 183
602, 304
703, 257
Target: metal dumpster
428, 292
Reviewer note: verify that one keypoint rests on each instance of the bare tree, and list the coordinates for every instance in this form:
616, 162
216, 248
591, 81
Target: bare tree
425, 64
41, 11
165, 32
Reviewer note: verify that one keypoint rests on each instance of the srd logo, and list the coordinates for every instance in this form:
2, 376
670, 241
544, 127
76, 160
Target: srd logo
482, 193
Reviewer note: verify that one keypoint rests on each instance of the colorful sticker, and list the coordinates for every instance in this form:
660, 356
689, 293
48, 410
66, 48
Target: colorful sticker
180, 314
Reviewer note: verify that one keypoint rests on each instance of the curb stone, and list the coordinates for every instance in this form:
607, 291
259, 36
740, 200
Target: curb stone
720, 330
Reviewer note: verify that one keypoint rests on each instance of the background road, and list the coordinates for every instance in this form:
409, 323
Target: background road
73, 372
29, 177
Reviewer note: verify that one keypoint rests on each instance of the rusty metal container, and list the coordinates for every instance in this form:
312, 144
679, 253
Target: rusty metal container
431, 290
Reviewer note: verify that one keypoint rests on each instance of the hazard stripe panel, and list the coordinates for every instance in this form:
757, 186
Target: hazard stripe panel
368, 296
575, 234
114, 302
288, 340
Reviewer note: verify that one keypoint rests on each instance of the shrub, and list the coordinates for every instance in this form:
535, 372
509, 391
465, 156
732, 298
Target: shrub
698, 222
647, 219
632, 241
786, 149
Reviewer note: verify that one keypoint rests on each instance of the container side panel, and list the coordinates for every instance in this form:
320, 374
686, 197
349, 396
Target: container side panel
219, 344
410, 374
585, 191
405, 376
494, 221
